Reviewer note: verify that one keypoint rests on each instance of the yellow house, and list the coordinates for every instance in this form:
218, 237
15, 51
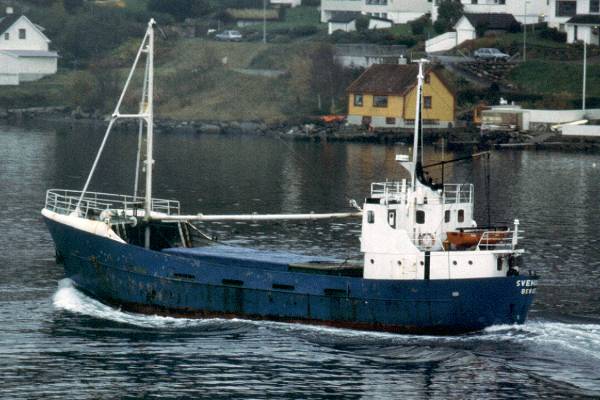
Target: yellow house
385, 96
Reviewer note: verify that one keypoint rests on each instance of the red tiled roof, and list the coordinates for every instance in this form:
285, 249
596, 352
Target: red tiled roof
386, 79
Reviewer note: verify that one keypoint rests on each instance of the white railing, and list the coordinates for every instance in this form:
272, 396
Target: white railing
93, 204
498, 240
385, 189
458, 193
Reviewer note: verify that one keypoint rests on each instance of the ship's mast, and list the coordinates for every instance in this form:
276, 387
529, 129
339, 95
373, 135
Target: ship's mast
418, 121
149, 116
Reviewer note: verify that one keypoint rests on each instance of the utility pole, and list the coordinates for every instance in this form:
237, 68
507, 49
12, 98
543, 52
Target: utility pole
524, 30
264, 21
584, 74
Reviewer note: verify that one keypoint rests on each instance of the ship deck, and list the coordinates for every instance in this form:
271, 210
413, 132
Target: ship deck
266, 259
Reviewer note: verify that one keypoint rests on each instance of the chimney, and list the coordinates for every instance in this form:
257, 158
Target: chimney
9, 10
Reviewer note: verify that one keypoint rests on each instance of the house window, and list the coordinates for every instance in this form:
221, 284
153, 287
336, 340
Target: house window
358, 100
22, 34
390, 121
566, 8
420, 217
7, 36
427, 102
575, 33
447, 216
380, 101
594, 6
427, 78
461, 215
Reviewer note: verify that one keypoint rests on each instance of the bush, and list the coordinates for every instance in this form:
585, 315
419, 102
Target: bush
553, 34
440, 26
417, 27
303, 30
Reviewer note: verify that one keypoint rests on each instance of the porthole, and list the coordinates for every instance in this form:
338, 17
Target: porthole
421, 263
470, 262
454, 262
372, 261
399, 262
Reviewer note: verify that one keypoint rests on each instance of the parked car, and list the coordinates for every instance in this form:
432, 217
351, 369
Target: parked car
230, 36
490, 54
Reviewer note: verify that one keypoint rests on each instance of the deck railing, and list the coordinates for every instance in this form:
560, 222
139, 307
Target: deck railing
453, 193
458, 193
499, 240
93, 204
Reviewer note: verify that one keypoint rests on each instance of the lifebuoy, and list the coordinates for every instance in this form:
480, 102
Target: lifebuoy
427, 240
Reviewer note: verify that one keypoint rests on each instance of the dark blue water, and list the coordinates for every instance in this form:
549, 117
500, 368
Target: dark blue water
57, 343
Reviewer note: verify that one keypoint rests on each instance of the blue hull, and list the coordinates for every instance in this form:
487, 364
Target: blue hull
175, 284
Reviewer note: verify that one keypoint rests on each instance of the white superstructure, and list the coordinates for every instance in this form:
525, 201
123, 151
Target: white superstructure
407, 228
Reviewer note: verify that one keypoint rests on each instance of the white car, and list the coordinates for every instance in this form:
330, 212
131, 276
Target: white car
490, 54
230, 36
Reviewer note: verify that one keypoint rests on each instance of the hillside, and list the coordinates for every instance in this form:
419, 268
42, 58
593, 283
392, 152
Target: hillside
287, 78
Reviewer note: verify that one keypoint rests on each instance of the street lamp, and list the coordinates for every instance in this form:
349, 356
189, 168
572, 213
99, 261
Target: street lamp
525, 30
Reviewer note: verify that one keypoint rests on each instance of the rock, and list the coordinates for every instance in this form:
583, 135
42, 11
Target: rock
209, 128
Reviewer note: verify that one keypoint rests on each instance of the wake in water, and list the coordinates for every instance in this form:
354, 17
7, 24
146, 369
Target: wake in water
70, 299
583, 338
543, 349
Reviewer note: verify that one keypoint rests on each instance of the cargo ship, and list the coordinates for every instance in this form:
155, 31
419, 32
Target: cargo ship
420, 274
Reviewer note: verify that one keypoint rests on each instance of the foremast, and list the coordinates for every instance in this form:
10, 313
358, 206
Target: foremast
145, 114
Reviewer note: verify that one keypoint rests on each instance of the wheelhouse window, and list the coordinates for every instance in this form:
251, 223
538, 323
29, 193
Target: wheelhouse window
427, 102
461, 215
594, 6
366, 120
447, 216
358, 100
7, 36
420, 217
380, 101
370, 217
390, 121
22, 34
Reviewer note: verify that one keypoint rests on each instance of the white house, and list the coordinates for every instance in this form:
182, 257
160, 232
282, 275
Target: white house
397, 11
529, 11
466, 28
24, 51
362, 55
584, 24
289, 3
346, 21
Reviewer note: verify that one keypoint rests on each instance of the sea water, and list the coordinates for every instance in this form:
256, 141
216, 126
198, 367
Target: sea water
55, 342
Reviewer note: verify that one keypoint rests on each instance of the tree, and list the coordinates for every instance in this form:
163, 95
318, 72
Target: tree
71, 6
362, 23
328, 79
449, 12
180, 9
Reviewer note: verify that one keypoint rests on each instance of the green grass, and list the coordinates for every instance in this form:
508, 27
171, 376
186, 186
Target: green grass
546, 77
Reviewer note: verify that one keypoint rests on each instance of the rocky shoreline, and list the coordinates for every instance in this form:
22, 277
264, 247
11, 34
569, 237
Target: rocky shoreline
308, 130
